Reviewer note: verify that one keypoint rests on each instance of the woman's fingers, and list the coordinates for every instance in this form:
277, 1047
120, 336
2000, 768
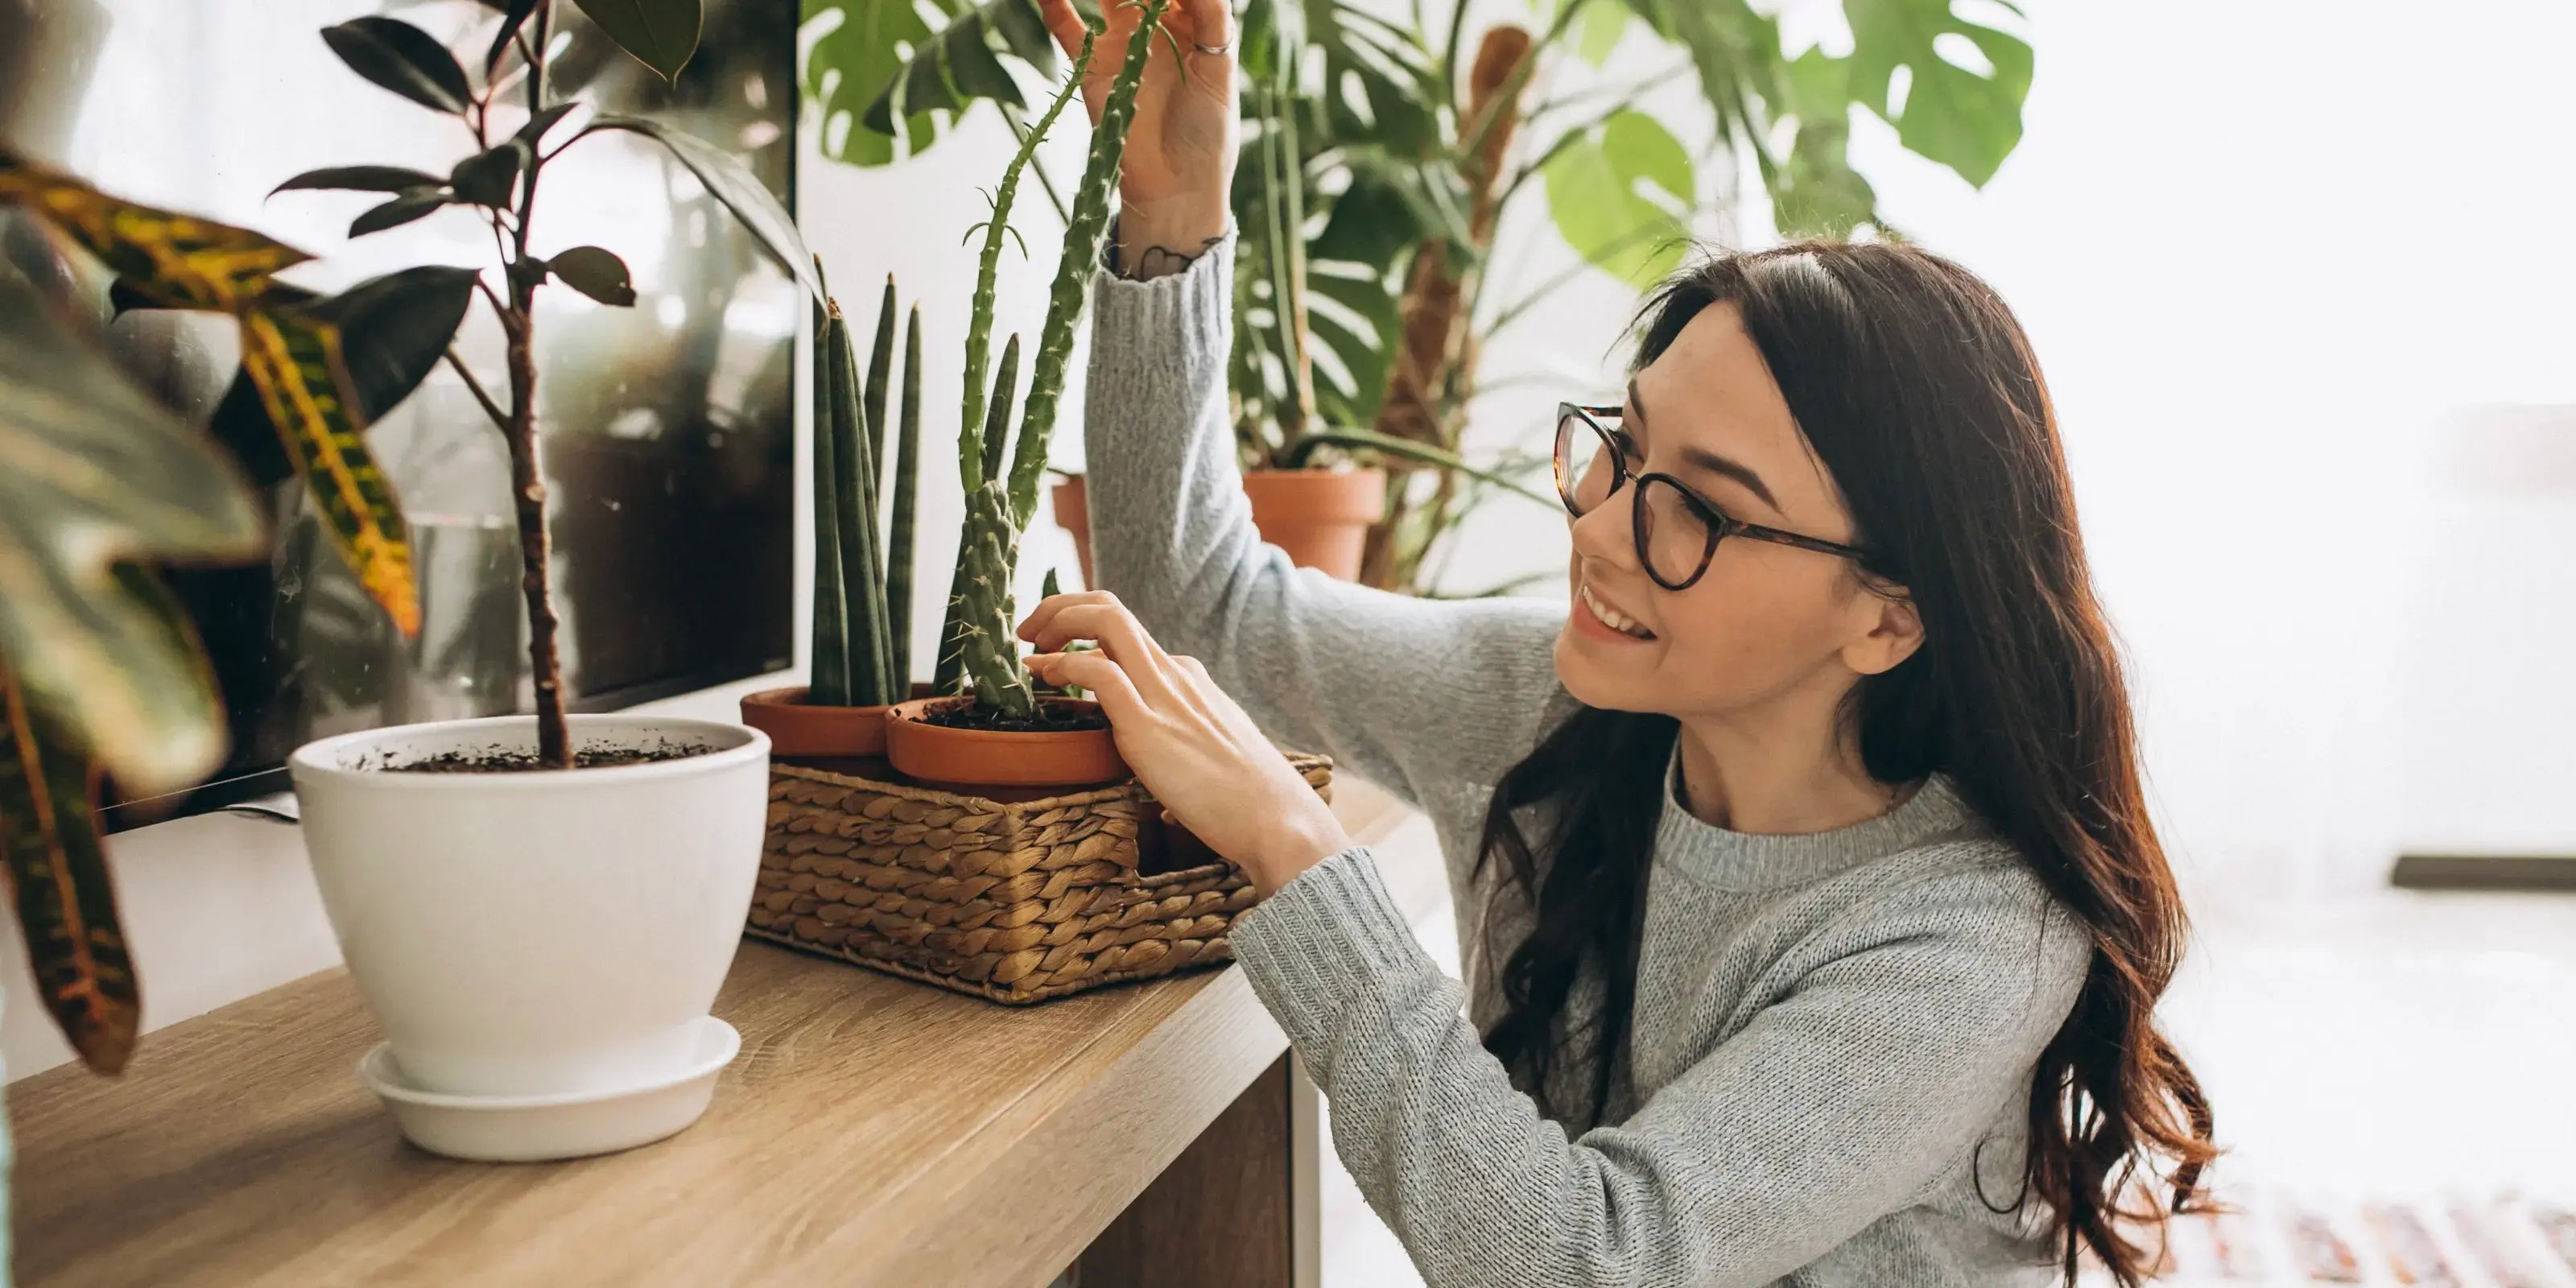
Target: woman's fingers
1211, 22
1107, 682
1051, 605
1064, 22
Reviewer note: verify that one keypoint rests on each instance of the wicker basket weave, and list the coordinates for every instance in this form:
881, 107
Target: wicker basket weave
1016, 902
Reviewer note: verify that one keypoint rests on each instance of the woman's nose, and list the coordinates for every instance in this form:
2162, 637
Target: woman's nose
1602, 533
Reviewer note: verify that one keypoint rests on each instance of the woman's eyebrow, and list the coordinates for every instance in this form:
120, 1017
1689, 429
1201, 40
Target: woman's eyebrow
1714, 463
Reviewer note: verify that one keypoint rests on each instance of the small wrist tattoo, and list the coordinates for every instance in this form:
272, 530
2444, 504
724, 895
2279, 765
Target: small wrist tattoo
1162, 261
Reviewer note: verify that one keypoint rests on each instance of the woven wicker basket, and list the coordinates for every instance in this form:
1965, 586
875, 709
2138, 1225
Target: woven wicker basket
1016, 902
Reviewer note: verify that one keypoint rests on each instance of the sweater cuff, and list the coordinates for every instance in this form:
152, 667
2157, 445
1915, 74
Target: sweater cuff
1192, 302
1326, 940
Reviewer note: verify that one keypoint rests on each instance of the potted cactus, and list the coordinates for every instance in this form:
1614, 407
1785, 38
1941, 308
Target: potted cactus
862, 655
992, 730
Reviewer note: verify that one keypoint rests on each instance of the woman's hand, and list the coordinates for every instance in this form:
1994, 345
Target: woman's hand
1188, 743
1179, 164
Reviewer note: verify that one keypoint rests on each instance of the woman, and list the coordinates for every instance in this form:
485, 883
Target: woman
1812, 918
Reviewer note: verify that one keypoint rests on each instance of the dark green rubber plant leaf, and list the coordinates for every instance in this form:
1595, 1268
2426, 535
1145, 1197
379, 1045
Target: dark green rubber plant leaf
661, 34
401, 57
393, 330
596, 273
732, 183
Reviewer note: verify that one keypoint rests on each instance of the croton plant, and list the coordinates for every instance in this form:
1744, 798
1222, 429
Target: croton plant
100, 677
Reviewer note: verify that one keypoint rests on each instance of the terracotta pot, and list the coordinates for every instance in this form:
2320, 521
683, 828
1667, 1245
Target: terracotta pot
842, 740
1320, 517
996, 765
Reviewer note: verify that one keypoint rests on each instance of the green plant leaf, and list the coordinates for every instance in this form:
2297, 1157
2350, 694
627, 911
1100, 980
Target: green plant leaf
534, 132
661, 34
171, 259
1597, 30
1618, 194
416, 204
1814, 190
1965, 118
596, 273
393, 330
402, 58
95, 472
359, 178
887, 80
66, 905
733, 183
295, 360
488, 178
963, 63
514, 15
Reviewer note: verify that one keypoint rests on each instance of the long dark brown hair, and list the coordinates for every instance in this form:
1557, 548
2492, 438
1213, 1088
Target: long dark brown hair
1916, 388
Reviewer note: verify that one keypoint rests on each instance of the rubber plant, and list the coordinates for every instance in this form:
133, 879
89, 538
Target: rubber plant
1000, 469
100, 677
1412, 146
500, 181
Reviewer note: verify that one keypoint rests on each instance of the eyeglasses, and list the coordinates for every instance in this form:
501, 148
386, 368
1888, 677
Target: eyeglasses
1677, 529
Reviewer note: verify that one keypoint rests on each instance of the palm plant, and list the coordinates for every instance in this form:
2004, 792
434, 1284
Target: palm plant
1380, 164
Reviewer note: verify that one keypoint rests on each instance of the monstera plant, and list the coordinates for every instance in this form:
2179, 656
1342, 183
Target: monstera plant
1381, 156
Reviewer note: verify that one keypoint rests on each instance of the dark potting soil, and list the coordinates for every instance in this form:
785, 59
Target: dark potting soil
496, 760
1051, 717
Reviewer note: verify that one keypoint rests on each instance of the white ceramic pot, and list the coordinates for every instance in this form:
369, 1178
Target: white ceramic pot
539, 933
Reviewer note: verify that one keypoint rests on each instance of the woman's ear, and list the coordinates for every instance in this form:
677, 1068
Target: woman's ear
1892, 634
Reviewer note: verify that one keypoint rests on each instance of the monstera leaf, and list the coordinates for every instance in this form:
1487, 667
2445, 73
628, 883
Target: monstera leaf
873, 95
97, 669
1620, 195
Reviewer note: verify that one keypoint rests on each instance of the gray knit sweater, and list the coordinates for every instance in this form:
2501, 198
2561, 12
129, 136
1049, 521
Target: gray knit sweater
1833, 1034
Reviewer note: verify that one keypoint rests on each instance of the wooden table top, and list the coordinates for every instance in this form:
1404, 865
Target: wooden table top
873, 1131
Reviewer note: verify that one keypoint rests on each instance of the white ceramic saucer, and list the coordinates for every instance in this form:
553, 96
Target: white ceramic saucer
527, 1129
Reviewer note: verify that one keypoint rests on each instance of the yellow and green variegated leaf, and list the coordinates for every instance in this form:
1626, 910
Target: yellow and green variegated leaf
294, 359
58, 877
95, 473
177, 260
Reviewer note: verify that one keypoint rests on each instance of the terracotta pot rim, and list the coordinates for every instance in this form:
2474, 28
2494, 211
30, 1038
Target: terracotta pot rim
994, 757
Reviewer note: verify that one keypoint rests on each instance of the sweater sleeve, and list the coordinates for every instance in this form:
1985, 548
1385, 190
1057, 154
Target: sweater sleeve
1404, 691
1844, 1100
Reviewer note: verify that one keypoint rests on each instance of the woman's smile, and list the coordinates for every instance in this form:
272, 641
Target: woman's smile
1597, 617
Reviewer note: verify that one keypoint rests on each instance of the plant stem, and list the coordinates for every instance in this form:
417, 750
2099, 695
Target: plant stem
528, 487
500, 418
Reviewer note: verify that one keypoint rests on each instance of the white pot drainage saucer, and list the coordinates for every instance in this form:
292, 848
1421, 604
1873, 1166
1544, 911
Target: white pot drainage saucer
576, 1124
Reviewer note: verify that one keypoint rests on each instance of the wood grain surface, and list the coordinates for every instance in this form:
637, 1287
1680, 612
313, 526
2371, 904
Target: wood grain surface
873, 1131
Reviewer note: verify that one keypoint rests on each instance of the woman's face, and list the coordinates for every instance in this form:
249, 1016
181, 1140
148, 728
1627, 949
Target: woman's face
1766, 622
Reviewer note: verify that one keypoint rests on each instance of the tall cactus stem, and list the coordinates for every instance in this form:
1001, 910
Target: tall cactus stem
1074, 272
979, 325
